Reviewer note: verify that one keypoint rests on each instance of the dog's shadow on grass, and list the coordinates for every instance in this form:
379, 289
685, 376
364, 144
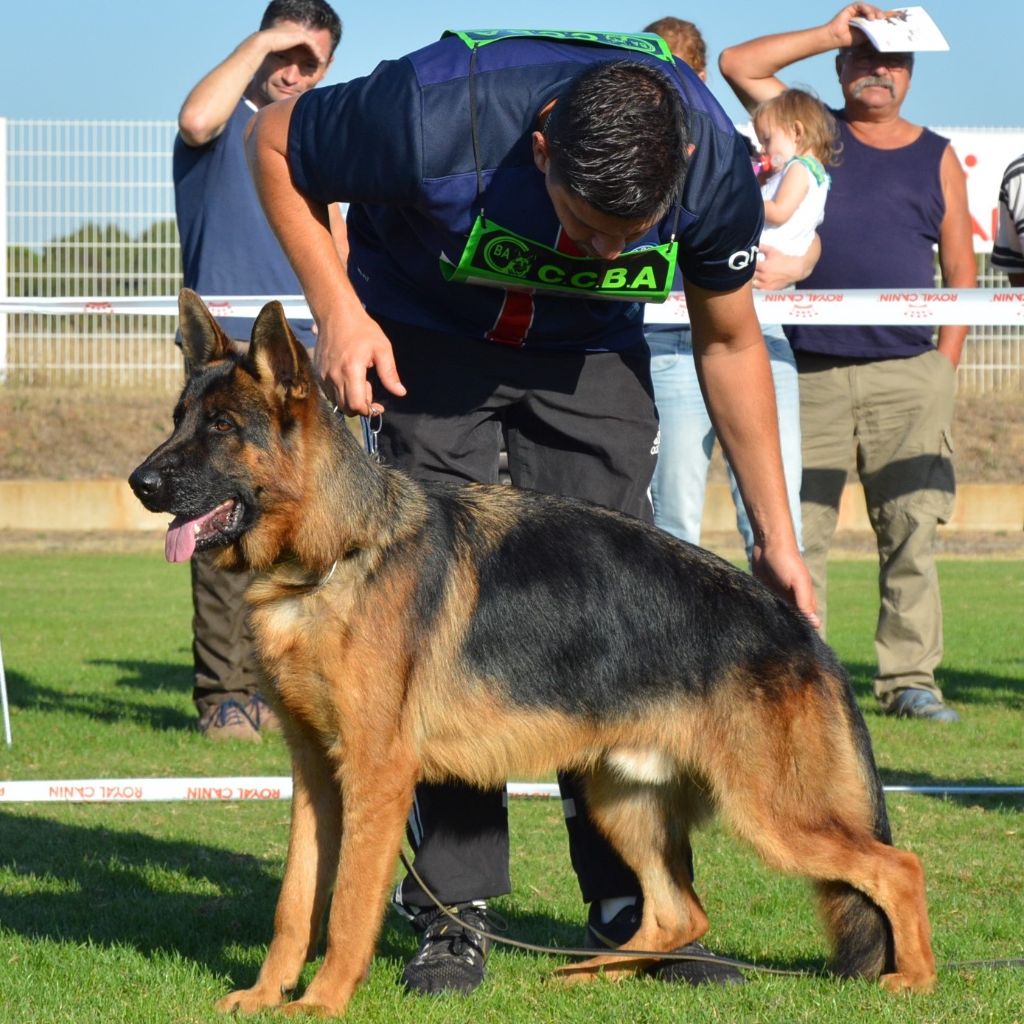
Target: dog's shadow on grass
85, 884
97, 885
143, 676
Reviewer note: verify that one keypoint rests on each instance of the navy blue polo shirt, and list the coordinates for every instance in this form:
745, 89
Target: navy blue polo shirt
227, 246
397, 145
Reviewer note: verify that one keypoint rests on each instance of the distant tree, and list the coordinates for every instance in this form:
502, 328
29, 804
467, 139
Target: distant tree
96, 259
157, 259
22, 271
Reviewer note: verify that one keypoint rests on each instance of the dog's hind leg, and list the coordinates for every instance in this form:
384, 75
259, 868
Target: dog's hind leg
858, 877
309, 873
377, 794
648, 827
814, 807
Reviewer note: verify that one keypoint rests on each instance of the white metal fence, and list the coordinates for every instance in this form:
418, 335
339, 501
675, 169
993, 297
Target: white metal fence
90, 211
87, 209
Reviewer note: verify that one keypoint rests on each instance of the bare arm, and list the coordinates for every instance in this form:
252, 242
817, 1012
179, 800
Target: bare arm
751, 68
209, 105
349, 341
956, 251
736, 378
795, 184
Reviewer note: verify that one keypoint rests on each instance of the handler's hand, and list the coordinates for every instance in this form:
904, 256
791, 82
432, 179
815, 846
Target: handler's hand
786, 574
345, 350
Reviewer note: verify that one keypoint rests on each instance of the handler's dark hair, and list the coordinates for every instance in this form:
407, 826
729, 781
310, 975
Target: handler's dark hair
617, 138
313, 14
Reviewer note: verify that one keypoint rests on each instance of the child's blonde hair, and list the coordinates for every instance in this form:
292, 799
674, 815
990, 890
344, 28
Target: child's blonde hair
684, 40
803, 114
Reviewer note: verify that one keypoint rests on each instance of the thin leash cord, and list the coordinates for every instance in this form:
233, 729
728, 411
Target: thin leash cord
641, 954
588, 954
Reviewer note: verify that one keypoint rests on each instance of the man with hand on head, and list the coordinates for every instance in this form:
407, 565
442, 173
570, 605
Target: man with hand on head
886, 393
228, 248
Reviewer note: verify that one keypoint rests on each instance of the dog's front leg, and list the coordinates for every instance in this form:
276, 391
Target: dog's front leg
309, 872
377, 794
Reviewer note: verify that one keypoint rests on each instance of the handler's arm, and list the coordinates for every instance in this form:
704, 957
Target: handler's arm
736, 378
349, 341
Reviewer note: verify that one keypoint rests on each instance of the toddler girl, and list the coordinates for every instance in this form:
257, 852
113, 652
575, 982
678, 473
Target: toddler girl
798, 137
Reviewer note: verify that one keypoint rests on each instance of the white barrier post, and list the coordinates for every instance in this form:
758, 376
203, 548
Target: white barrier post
3, 700
3, 256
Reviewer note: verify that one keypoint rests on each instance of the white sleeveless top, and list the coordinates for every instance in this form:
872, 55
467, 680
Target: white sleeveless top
795, 235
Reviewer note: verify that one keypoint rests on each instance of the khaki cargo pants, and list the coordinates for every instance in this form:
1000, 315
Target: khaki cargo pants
891, 419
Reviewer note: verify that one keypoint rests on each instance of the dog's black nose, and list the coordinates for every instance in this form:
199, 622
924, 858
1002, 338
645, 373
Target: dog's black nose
145, 482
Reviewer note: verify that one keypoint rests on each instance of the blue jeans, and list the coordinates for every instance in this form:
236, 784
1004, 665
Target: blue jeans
688, 438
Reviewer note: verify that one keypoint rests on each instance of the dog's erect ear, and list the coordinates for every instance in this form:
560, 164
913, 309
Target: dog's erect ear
277, 356
202, 340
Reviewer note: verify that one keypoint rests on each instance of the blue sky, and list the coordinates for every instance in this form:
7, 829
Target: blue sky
136, 59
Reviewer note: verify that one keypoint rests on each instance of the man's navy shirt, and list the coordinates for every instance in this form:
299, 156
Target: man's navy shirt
227, 246
397, 145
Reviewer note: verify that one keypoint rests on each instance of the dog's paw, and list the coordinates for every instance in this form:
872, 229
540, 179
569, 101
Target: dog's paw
303, 1009
249, 1000
610, 968
904, 983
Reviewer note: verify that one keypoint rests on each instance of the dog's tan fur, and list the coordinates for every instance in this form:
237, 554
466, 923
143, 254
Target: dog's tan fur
374, 697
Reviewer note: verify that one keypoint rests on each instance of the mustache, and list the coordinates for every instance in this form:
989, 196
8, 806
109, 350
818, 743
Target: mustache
882, 81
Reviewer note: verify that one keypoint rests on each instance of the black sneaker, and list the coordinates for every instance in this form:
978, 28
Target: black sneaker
451, 958
707, 971
615, 932
622, 927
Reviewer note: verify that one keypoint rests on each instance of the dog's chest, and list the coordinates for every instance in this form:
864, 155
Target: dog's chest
299, 641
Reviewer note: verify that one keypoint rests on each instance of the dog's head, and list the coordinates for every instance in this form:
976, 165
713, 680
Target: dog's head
235, 457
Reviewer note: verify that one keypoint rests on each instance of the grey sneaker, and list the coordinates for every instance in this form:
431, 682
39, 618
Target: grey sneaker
227, 721
450, 958
913, 702
262, 714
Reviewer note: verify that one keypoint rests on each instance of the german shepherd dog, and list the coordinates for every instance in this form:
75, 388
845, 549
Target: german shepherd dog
433, 632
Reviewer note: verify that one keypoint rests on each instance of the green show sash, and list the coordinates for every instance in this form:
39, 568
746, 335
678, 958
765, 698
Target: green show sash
642, 42
500, 258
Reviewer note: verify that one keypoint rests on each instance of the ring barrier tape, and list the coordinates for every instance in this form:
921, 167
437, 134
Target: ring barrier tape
856, 306
244, 788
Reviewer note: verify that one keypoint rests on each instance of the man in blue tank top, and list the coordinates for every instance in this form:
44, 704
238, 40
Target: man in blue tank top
885, 393
228, 248
513, 195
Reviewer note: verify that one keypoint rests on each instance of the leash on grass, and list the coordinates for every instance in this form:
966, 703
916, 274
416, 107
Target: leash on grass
642, 954
587, 954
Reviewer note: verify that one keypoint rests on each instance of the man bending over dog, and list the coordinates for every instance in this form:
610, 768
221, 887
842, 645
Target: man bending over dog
502, 185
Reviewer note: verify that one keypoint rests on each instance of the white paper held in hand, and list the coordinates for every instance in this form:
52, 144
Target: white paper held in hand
906, 30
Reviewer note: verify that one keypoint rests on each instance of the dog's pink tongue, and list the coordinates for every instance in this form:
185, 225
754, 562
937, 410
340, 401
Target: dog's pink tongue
180, 541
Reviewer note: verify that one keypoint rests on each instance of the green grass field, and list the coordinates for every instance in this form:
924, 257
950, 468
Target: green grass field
148, 913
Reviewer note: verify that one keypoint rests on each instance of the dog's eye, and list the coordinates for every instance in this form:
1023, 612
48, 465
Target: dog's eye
222, 424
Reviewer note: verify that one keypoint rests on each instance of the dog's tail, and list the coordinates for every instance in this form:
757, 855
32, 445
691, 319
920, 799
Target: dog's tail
861, 932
